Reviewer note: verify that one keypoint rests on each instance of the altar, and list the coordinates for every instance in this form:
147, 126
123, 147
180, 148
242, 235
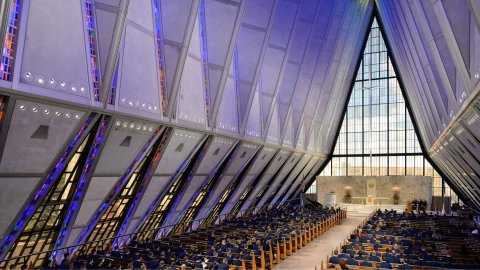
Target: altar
374, 190
369, 200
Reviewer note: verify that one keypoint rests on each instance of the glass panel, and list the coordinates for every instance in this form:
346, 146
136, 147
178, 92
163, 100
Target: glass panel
377, 136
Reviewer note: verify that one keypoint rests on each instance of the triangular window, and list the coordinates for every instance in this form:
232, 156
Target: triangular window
377, 136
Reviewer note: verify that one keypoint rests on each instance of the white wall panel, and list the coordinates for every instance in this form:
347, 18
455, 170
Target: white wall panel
227, 118
288, 189
284, 172
13, 194
191, 96
155, 187
138, 86
97, 190
279, 160
253, 128
273, 134
260, 162
115, 157
215, 196
179, 147
21, 152
296, 173
44, 54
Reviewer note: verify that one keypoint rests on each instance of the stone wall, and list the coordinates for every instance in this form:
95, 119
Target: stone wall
408, 188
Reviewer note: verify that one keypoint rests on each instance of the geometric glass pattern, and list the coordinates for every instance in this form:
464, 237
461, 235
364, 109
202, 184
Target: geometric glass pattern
164, 202
160, 56
203, 46
10, 42
249, 189
225, 196
201, 196
113, 88
112, 219
43, 227
377, 136
92, 46
265, 187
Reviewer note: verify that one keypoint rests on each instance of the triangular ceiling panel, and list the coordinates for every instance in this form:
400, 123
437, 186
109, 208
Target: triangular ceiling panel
288, 139
240, 157
106, 13
295, 183
274, 166
273, 134
253, 128
114, 161
219, 21
290, 178
302, 35
301, 137
251, 44
174, 17
276, 56
262, 159
67, 74
191, 106
227, 118
216, 152
138, 85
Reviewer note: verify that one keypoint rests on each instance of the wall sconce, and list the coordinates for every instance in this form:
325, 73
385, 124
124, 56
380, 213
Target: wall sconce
348, 187
395, 188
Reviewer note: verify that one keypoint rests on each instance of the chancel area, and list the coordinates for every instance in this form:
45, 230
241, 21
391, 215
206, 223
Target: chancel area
239, 134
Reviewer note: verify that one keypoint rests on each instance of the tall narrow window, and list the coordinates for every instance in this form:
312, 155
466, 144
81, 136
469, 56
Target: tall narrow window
92, 47
12, 10
42, 229
121, 206
162, 205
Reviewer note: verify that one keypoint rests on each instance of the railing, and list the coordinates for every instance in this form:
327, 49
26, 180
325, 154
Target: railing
116, 241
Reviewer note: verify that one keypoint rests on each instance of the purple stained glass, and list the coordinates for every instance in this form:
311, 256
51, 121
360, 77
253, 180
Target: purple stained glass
92, 45
9, 45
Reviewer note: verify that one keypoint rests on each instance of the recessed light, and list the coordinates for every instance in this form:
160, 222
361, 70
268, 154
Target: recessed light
46, 111
57, 113
22, 107
34, 109
67, 115
52, 81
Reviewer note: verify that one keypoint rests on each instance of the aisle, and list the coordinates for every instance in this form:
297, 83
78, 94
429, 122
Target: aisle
311, 255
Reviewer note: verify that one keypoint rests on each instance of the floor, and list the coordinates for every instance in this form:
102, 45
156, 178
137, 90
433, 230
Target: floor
311, 256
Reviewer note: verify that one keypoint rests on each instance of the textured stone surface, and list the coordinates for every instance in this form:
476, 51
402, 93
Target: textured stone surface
409, 187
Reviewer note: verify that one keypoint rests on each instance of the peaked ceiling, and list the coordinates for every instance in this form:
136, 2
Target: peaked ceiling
275, 72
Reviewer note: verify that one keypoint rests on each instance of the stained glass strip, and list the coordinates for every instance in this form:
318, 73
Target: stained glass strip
9, 45
92, 46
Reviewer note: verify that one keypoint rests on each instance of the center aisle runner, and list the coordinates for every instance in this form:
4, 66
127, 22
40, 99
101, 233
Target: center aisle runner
312, 254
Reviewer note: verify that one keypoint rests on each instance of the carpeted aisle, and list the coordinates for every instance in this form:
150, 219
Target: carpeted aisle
310, 256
